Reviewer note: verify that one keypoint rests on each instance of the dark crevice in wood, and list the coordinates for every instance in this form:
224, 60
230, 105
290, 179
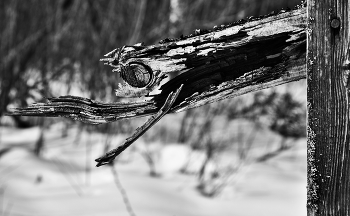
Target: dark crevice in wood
221, 64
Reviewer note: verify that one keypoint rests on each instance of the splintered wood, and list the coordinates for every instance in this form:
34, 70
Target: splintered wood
212, 65
225, 62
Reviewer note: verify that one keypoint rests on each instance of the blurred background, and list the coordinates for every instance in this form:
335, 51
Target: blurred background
242, 156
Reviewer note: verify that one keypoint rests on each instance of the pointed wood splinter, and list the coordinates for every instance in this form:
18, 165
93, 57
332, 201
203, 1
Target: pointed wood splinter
111, 155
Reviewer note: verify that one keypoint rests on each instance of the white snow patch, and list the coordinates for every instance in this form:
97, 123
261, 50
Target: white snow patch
59, 184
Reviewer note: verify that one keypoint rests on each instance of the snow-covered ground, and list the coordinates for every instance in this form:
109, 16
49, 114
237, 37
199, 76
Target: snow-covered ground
59, 184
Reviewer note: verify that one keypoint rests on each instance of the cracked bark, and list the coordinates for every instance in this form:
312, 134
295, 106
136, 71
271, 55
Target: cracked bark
225, 62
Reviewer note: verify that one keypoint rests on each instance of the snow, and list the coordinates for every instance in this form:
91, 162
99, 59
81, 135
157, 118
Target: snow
57, 183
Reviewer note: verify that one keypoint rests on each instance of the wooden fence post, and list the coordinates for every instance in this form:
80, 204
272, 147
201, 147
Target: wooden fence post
328, 67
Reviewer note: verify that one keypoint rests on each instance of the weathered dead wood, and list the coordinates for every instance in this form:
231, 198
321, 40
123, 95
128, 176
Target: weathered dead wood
228, 61
328, 67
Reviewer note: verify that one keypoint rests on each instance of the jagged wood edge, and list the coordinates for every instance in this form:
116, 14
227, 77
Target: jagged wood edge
112, 154
95, 112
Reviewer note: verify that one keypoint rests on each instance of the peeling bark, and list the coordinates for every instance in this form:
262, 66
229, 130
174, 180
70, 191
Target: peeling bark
225, 62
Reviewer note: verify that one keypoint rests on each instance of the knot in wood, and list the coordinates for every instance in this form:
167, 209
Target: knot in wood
137, 74
335, 23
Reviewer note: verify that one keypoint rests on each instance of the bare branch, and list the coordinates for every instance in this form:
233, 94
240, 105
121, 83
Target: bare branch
122, 191
110, 156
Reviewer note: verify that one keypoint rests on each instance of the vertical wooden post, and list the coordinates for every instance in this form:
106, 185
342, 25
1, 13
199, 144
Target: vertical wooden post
328, 67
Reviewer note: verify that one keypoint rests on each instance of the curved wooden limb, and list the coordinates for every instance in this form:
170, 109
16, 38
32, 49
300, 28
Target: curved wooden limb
213, 65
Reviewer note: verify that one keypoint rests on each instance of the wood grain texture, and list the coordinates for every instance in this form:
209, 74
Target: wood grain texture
228, 61
328, 107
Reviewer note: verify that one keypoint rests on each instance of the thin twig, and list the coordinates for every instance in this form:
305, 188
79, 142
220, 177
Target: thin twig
139, 22
69, 179
88, 159
111, 155
122, 191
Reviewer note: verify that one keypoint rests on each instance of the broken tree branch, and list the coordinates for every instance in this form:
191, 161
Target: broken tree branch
110, 156
228, 61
